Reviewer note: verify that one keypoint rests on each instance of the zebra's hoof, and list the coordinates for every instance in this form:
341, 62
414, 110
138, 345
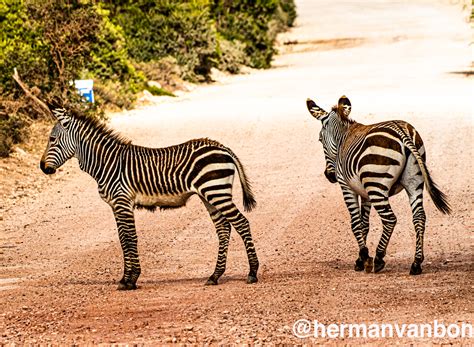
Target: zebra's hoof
415, 269
252, 279
211, 282
379, 264
126, 285
359, 265
369, 264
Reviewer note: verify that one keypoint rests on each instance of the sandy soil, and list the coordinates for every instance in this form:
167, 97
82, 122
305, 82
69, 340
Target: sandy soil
60, 256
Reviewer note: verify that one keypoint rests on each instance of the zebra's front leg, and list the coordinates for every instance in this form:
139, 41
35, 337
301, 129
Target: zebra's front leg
123, 212
389, 220
364, 261
223, 233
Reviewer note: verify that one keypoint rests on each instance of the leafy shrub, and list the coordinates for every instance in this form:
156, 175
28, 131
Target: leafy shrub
231, 55
49, 43
117, 80
21, 45
288, 12
250, 21
13, 125
177, 28
202, 34
69, 33
113, 94
166, 71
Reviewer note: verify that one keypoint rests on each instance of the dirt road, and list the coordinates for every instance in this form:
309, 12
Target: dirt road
60, 256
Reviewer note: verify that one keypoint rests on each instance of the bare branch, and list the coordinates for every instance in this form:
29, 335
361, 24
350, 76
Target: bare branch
28, 93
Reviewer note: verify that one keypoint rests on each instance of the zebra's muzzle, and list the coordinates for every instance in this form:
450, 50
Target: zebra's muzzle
331, 176
47, 169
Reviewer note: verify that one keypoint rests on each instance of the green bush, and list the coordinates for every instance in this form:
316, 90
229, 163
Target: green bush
251, 22
231, 55
13, 125
166, 71
202, 34
110, 57
22, 45
69, 30
49, 44
288, 12
178, 28
13, 130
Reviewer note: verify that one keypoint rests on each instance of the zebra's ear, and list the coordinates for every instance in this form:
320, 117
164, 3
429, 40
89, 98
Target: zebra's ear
316, 111
60, 114
344, 107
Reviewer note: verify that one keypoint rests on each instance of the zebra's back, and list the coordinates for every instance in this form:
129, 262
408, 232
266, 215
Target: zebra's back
167, 177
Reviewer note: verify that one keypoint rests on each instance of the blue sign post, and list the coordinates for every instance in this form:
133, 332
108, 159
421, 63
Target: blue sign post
85, 89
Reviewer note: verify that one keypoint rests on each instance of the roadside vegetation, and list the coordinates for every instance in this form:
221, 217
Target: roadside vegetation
122, 46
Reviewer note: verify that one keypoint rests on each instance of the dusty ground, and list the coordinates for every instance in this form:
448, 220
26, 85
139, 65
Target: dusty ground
60, 256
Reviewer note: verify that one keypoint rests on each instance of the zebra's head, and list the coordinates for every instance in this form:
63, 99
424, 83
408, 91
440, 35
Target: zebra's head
61, 146
330, 135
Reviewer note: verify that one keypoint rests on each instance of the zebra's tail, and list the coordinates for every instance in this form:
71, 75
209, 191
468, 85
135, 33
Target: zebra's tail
439, 198
248, 198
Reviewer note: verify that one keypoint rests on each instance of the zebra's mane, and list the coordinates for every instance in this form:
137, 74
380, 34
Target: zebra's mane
98, 126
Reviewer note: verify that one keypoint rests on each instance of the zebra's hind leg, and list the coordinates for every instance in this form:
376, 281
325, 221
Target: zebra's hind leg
242, 226
383, 208
415, 196
364, 223
223, 233
364, 217
123, 212
364, 261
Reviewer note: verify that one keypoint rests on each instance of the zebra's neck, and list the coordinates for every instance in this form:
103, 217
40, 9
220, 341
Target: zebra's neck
340, 128
98, 150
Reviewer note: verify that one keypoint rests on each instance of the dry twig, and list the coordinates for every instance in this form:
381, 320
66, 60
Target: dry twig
28, 93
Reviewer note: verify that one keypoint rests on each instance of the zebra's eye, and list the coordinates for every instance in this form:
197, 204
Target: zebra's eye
52, 139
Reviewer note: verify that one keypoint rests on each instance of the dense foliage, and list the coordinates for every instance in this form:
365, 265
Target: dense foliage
122, 44
255, 23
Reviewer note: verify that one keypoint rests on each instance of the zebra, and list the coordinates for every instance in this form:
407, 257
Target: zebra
371, 163
130, 176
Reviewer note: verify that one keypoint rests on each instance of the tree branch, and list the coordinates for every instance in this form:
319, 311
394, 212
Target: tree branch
28, 93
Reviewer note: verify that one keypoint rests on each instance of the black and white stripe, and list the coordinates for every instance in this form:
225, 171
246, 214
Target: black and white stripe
372, 163
130, 176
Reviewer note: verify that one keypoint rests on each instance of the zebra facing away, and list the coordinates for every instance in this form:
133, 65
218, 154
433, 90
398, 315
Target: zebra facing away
130, 176
372, 163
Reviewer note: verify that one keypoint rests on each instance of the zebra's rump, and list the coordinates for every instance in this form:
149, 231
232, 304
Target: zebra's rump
375, 157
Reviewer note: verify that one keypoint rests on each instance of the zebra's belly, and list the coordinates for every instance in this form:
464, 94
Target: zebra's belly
158, 200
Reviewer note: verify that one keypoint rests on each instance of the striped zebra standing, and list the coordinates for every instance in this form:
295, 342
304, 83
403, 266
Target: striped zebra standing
130, 176
374, 162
